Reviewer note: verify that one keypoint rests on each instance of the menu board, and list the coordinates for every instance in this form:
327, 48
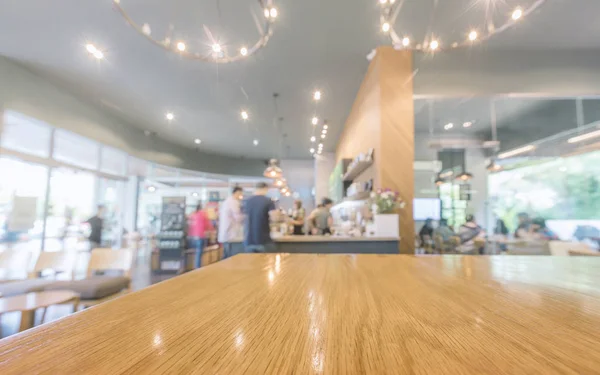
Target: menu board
173, 214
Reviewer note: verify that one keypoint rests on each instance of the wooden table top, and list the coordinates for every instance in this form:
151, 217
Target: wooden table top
32, 301
343, 314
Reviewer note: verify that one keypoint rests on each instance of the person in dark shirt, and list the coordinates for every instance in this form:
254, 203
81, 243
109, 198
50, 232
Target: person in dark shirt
96, 223
257, 231
524, 224
426, 232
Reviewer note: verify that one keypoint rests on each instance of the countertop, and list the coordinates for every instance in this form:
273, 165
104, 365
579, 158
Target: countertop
344, 314
304, 238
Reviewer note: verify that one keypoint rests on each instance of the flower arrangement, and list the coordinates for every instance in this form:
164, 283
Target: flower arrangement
386, 201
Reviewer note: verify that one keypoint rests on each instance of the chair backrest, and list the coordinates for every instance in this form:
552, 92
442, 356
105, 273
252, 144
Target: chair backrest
109, 259
529, 248
15, 261
561, 248
57, 261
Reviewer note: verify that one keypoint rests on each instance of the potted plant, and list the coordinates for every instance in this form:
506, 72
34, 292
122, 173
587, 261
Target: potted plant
385, 206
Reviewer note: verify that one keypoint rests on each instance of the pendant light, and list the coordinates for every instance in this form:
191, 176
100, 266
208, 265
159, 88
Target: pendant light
439, 181
273, 171
493, 166
464, 176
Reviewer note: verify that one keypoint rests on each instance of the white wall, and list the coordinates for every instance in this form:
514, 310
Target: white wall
23, 91
324, 165
300, 175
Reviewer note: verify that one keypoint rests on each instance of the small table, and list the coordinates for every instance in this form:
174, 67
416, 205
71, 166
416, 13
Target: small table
28, 303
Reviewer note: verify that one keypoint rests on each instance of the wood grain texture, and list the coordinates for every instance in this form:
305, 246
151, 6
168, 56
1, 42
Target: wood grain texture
336, 314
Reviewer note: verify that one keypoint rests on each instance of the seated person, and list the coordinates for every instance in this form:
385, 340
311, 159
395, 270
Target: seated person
539, 230
426, 232
468, 232
524, 224
444, 231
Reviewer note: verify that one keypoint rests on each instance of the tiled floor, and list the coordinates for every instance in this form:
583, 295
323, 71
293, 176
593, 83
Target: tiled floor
141, 278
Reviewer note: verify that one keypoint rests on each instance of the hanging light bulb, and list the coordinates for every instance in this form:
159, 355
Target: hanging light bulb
244, 51
280, 182
312, 139
405, 41
273, 12
385, 27
439, 181
493, 166
434, 45
272, 170
473, 35
216, 48
317, 95
181, 46
244, 115
464, 176
325, 127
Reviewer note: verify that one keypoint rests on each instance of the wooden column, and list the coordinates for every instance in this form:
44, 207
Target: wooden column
382, 118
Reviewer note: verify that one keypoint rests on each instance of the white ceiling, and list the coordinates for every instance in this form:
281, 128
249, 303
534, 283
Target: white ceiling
316, 44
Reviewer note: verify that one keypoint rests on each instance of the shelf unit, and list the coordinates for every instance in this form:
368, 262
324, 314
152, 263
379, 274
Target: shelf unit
357, 169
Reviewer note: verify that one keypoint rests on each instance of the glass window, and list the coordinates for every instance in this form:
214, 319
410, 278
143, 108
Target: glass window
22, 201
113, 161
25, 134
75, 150
71, 205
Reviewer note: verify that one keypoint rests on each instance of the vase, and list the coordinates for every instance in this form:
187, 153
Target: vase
387, 225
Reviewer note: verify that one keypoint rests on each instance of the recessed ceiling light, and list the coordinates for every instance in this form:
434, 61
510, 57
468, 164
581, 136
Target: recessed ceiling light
517, 14
467, 124
448, 126
151, 189
170, 116
255, 142
473, 35
312, 139
197, 141
243, 51
99, 54
216, 48
181, 46
244, 115
317, 95
194, 194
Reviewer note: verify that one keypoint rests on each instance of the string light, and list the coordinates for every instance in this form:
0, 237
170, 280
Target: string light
255, 142
448, 126
325, 127
244, 115
312, 139
197, 141
315, 120
220, 55
317, 95
90, 48
94, 51
312, 150
518, 13
170, 116
324, 131
323, 136
390, 10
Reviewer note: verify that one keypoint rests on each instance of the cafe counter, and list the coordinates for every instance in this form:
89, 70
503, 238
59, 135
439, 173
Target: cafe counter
328, 245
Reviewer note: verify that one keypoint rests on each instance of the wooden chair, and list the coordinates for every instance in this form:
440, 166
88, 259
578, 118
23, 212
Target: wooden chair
14, 262
583, 253
110, 260
55, 261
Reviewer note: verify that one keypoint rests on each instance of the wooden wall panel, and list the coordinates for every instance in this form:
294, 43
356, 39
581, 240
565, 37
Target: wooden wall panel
382, 117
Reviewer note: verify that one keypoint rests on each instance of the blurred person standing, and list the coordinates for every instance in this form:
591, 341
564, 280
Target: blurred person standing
96, 223
257, 229
198, 227
230, 220
298, 215
321, 220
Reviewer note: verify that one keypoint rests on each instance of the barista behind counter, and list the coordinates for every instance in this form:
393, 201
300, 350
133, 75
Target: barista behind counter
320, 220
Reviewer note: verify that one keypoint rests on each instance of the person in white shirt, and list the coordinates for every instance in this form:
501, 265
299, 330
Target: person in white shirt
230, 220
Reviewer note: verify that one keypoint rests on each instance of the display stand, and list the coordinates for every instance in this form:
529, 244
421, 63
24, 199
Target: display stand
171, 241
